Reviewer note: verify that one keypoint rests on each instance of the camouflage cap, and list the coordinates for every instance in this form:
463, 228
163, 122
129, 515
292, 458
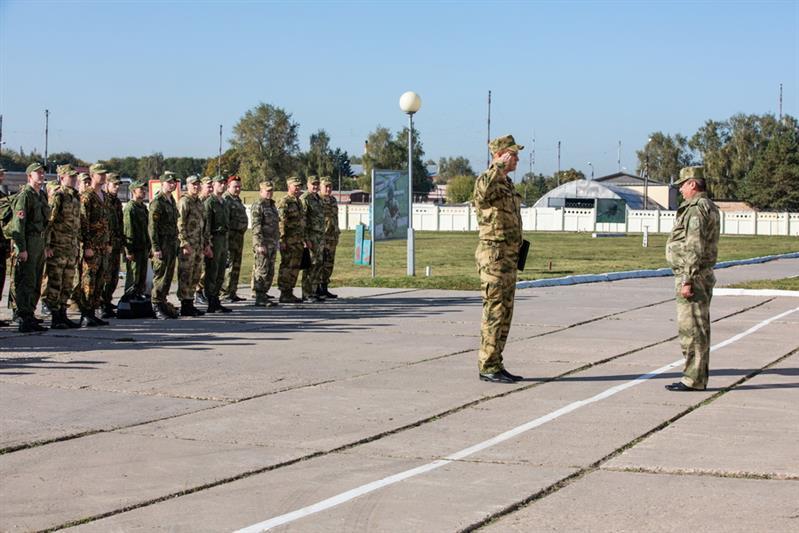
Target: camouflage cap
66, 170
112, 177
690, 173
219, 179
293, 180
326, 180
313, 179
206, 179
192, 179
98, 168
267, 185
33, 167
52, 185
168, 176
506, 142
83, 176
136, 184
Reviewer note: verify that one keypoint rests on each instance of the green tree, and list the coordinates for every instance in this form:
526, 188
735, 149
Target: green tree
229, 164
186, 166
568, 175
460, 189
387, 152
124, 166
773, 182
449, 167
664, 156
266, 141
151, 166
64, 158
319, 159
533, 187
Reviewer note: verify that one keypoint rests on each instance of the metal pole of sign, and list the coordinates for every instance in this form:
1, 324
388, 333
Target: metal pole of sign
373, 246
411, 248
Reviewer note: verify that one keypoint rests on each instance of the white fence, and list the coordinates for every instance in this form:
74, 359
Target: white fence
428, 217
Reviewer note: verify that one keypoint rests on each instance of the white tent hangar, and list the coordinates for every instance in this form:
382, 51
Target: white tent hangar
585, 193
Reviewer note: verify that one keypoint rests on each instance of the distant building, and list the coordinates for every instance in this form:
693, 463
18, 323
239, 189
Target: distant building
589, 194
662, 194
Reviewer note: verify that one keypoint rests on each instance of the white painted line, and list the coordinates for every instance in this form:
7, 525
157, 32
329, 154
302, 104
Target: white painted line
532, 424
755, 292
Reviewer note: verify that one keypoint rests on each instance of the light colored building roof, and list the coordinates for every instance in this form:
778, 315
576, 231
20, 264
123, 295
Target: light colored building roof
595, 189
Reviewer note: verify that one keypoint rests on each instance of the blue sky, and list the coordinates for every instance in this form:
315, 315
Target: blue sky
133, 78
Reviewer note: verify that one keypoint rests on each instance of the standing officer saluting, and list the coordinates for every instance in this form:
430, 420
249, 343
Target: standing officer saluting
498, 206
163, 230
28, 226
691, 252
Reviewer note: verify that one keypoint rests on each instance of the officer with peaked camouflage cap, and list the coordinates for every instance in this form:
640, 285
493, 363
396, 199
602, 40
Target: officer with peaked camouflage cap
331, 236
163, 229
691, 251
498, 208
5, 244
135, 218
117, 236
265, 237
291, 226
314, 235
194, 245
96, 243
218, 223
238, 220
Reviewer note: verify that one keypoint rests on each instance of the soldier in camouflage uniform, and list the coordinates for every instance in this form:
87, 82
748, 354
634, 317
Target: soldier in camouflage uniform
498, 208
238, 227
5, 244
217, 222
265, 237
292, 240
314, 213
62, 238
137, 241
332, 232
206, 190
193, 245
96, 242
27, 233
691, 251
163, 229
117, 231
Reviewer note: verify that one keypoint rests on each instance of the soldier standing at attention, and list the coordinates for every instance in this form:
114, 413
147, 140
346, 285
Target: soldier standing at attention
691, 251
5, 244
292, 240
193, 245
314, 213
28, 226
96, 241
206, 190
265, 237
163, 230
137, 241
116, 229
62, 238
498, 207
217, 221
238, 227
332, 232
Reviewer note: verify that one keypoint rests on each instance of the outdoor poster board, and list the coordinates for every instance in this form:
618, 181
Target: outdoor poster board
155, 185
390, 204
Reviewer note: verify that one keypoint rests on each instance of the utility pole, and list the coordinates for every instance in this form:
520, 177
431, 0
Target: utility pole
1, 132
780, 102
219, 159
46, 135
618, 157
558, 163
488, 138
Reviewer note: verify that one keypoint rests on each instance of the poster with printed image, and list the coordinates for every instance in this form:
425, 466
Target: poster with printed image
390, 204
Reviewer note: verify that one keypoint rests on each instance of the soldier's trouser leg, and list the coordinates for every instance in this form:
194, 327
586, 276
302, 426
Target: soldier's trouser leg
112, 276
163, 273
329, 261
28, 278
60, 273
215, 267
92, 281
3, 259
693, 323
188, 273
259, 270
312, 276
235, 249
496, 263
290, 260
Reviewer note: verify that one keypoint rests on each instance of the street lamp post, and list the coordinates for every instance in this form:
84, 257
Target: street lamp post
592, 170
646, 175
410, 103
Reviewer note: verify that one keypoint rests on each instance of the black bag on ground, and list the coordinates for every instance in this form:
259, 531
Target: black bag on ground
134, 307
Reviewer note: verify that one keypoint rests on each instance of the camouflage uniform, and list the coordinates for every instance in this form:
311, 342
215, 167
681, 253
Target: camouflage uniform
237, 214
216, 218
163, 230
498, 209
292, 235
332, 232
314, 213
5, 247
691, 251
117, 235
137, 244
266, 233
191, 232
27, 232
62, 238
95, 235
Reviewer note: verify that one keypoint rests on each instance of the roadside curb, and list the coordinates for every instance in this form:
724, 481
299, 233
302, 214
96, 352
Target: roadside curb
636, 274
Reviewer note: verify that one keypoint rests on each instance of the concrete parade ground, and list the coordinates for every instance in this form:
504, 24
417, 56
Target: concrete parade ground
366, 414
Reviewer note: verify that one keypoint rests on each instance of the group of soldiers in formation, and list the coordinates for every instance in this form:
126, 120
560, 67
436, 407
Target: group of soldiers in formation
67, 238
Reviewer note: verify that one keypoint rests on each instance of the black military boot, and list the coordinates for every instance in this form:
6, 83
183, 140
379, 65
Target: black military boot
327, 293
29, 324
320, 293
108, 311
57, 321
221, 308
187, 308
158, 311
88, 320
287, 297
65, 319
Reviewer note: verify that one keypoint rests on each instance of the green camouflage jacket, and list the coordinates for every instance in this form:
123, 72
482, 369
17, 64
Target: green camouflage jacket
314, 213
115, 223
135, 218
292, 220
498, 206
237, 213
694, 240
265, 223
64, 225
95, 234
163, 223
31, 213
217, 219
191, 224
331, 218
